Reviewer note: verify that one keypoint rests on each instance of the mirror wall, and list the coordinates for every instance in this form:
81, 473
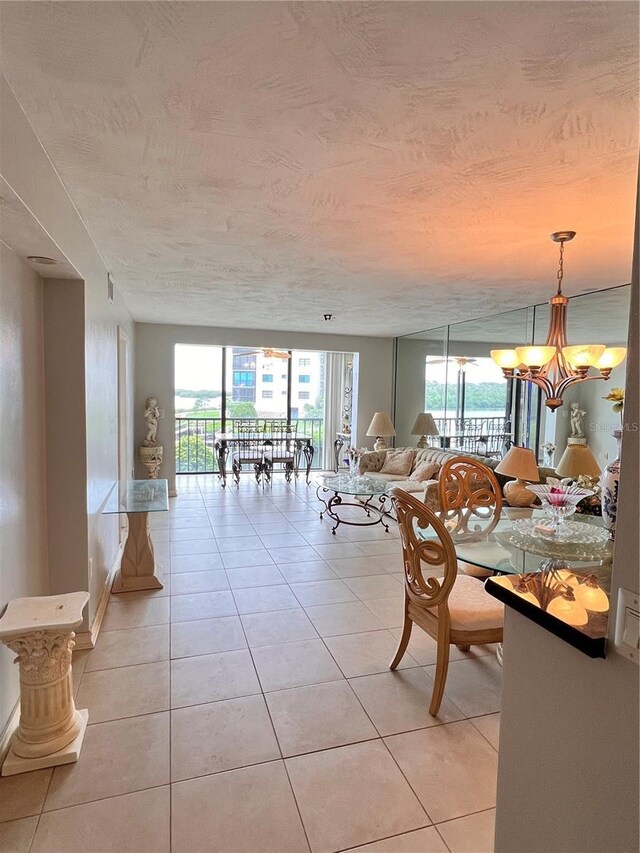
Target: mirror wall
448, 372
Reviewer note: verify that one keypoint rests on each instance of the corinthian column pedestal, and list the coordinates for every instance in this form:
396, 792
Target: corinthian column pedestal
40, 631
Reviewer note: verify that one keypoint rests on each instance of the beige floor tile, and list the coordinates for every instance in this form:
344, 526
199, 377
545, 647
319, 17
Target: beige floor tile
451, 768
185, 583
375, 586
297, 554
23, 795
129, 646
208, 678
366, 653
323, 537
244, 811
184, 547
190, 533
181, 522
399, 701
471, 834
294, 665
282, 540
111, 694
322, 592
105, 767
489, 726
242, 559
232, 530
352, 795
117, 825
339, 550
202, 605
254, 576
354, 567
264, 598
381, 547
419, 841
389, 562
389, 611
206, 636
196, 563
281, 527
16, 835
278, 626
474, 685
136, 614
351, 617
240, 543
319, 716
221, 736
314, 570
369, 534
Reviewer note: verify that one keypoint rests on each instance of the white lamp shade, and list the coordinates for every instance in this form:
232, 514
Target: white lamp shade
381, 425
520, 462
578, 459
424, 425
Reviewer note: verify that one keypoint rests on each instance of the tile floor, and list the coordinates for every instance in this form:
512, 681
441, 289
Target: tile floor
248, 706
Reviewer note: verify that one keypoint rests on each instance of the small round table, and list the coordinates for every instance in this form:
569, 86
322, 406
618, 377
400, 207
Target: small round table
363, 487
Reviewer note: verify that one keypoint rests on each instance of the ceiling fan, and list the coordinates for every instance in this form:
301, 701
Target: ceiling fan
461, 360
267, 352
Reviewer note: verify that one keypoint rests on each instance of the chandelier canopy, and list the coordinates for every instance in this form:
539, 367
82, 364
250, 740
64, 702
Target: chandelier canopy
556, 365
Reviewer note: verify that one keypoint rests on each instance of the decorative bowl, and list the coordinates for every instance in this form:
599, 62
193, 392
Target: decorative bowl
560, 501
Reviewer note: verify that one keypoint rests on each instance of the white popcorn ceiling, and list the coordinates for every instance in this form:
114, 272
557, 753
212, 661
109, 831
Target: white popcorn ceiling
400, 164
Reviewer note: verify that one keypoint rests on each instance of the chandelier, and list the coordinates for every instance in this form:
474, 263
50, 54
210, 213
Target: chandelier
556, 366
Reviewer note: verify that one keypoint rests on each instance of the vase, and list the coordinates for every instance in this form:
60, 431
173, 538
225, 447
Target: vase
609, 489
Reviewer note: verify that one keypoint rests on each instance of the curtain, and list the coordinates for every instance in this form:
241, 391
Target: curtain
335, 370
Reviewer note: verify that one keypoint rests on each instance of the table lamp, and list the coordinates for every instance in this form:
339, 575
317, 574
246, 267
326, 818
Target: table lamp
380, 425
424, 426
520, 462
578, 459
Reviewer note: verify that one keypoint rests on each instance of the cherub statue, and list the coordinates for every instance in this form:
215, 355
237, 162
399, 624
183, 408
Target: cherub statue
151, 417
577, 415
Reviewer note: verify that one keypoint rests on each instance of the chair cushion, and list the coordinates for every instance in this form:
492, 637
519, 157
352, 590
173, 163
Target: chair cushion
398, 462
472, 608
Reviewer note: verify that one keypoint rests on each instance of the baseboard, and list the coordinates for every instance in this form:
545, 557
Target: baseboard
7, 732
87, 639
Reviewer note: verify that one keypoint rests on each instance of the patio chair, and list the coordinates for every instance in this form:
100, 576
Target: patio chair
453, 609
250, 449
280, 447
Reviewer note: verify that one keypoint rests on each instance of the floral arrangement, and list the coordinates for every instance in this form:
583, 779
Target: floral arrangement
616, 396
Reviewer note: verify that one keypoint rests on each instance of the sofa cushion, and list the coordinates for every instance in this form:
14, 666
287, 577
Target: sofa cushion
398, 462
424, 471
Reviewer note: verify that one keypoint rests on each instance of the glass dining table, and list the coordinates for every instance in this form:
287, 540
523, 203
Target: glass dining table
521, 541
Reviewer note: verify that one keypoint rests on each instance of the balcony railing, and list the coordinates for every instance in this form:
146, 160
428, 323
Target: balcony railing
195, 438
486, 436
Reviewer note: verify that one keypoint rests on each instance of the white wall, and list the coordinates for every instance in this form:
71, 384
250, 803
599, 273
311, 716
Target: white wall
26, 168
23, 539
154, 371
568, 767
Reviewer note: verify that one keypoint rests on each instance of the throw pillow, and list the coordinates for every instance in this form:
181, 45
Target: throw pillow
425, 471
398, 462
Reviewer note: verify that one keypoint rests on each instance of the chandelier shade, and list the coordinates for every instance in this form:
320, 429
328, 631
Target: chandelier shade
556, 365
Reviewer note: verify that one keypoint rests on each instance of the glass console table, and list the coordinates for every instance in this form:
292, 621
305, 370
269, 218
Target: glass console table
138, 498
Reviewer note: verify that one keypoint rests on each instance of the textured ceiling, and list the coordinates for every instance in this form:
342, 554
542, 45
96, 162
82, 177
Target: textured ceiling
398, 164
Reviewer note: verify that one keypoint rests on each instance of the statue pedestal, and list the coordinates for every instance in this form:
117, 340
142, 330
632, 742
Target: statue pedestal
151, 458
41, 631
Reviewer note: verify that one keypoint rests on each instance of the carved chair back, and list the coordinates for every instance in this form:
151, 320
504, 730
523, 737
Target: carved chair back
470, 498
434, 548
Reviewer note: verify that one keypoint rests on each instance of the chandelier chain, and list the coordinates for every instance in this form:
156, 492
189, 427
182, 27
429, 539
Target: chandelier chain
560, 273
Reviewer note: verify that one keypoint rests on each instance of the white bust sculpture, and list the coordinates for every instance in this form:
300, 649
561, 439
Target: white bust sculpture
577, 416
151, 417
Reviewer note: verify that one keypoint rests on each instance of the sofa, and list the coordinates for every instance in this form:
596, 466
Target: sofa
372, 462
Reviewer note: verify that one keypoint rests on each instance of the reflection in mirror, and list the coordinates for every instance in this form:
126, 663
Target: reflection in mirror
411, 360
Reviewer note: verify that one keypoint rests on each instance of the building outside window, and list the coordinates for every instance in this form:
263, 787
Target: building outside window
304, 379
246, 378
303, 395
267, 395
304, 362
267, 377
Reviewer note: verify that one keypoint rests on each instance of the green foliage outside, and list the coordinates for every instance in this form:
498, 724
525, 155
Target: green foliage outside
204, 393
478, 396
192, 455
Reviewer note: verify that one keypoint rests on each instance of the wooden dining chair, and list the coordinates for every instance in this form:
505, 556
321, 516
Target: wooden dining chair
470, 500
453, 609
